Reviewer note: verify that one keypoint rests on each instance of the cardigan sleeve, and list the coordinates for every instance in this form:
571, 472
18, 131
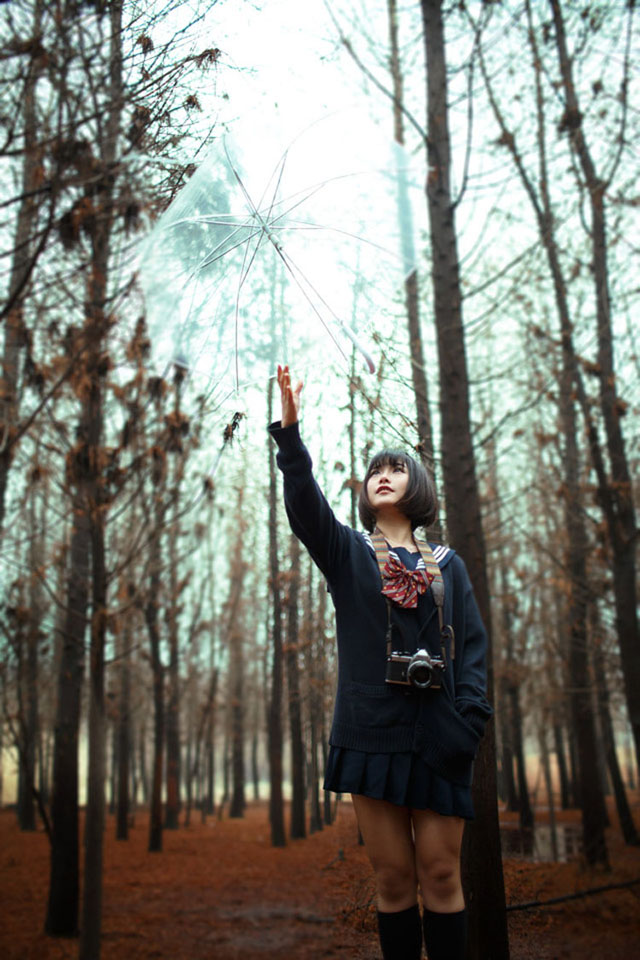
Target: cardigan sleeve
470, 666
311, 518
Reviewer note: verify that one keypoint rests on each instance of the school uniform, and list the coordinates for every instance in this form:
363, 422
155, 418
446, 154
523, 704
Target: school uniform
388, 741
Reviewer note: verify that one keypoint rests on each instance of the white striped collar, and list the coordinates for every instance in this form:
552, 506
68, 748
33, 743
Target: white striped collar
439, 552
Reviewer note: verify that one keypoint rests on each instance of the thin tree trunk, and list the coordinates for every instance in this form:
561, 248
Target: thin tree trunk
124, 739
274, 720
157, 668
524, 803
411, 287
561, 760
63, 901
313, 678
482, 863
546, 766
172, 716
97, 326
255, 774
235, 638
508, 786
297, 827
625, 817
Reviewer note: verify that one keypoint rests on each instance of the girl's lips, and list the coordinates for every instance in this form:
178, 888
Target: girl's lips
384, 489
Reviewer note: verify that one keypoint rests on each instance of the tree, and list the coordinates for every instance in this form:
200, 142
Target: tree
591, 800
482, 859
616, 494
297, 827
274, 717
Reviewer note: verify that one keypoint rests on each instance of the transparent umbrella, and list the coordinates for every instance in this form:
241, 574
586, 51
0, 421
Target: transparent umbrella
270, 254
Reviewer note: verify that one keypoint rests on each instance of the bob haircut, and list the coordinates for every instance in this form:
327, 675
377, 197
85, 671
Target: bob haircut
419, 504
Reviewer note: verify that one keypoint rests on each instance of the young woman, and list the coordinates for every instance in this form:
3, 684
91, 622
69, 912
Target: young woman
403, 746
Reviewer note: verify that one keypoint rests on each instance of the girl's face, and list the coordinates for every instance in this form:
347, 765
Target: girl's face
387, 485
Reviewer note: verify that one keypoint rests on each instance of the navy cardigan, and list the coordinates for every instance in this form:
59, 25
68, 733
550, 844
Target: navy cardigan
444, 726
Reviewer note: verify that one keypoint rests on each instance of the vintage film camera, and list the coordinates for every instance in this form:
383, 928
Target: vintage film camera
419, 670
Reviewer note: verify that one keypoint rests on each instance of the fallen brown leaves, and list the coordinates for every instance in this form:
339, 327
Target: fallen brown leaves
219, 890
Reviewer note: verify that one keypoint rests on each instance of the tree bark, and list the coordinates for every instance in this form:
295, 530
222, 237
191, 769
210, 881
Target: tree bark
172, 718
235, 630
157, 669
425, 444
625, 817
482, 863
124, 740
297, 827
63, 901
274, 719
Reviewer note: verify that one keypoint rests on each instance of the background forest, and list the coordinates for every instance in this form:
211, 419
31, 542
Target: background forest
164, 642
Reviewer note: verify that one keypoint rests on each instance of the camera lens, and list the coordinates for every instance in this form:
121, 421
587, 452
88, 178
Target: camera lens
419, 674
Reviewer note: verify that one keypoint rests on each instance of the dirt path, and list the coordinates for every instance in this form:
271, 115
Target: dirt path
221, 891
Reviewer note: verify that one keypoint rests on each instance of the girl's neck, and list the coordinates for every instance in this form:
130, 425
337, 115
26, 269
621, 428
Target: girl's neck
396, 531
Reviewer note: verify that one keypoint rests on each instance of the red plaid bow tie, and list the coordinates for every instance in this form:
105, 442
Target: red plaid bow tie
403, 586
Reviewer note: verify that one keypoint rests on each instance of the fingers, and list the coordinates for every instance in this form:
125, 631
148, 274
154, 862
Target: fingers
290, 397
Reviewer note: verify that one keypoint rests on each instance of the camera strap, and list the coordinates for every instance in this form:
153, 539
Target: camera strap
433, 577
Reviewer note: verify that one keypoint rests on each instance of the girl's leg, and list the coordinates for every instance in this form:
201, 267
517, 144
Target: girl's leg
438, 841
388, 839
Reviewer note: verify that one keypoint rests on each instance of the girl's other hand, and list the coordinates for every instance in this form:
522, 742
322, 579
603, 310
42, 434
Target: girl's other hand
290, 397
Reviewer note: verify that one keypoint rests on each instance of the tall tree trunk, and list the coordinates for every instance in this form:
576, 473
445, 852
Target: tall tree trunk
313, 679
124, 738
561, 760
625, 817
297, 827
524, 803
508, 789
621, 522
209, 803
274, 719
157, 670
172, 719
411, 287
64, 883
235, 639
482, 861
97, 328
548, 780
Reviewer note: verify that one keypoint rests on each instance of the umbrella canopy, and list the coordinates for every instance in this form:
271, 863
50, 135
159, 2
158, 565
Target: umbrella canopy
273, 253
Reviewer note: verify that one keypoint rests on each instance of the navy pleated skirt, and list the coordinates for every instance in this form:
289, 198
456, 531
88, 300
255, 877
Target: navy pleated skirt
401, 778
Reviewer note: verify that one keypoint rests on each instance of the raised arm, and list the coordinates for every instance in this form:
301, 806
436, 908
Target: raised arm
310, 516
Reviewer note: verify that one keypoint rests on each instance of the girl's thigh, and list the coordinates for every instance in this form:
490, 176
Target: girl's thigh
437, 837
387, 833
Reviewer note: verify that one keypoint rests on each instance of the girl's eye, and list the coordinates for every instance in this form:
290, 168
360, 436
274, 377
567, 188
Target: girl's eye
398, 469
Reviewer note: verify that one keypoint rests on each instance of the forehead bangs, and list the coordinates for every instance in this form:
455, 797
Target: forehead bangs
390, 458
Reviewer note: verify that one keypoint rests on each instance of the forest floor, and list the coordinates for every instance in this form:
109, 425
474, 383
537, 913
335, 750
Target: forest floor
219, 891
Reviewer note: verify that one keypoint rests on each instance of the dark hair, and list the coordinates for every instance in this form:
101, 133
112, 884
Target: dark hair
419, 504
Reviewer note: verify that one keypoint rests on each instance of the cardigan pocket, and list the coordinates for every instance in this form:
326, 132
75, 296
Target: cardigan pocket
375, 705
451, 744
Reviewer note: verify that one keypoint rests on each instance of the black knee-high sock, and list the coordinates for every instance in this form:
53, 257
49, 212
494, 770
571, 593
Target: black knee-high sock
400, 934
445, 935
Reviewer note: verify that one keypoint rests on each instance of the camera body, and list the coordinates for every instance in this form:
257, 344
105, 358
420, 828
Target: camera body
419, 670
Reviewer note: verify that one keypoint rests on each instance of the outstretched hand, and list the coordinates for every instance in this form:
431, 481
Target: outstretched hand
290, 397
